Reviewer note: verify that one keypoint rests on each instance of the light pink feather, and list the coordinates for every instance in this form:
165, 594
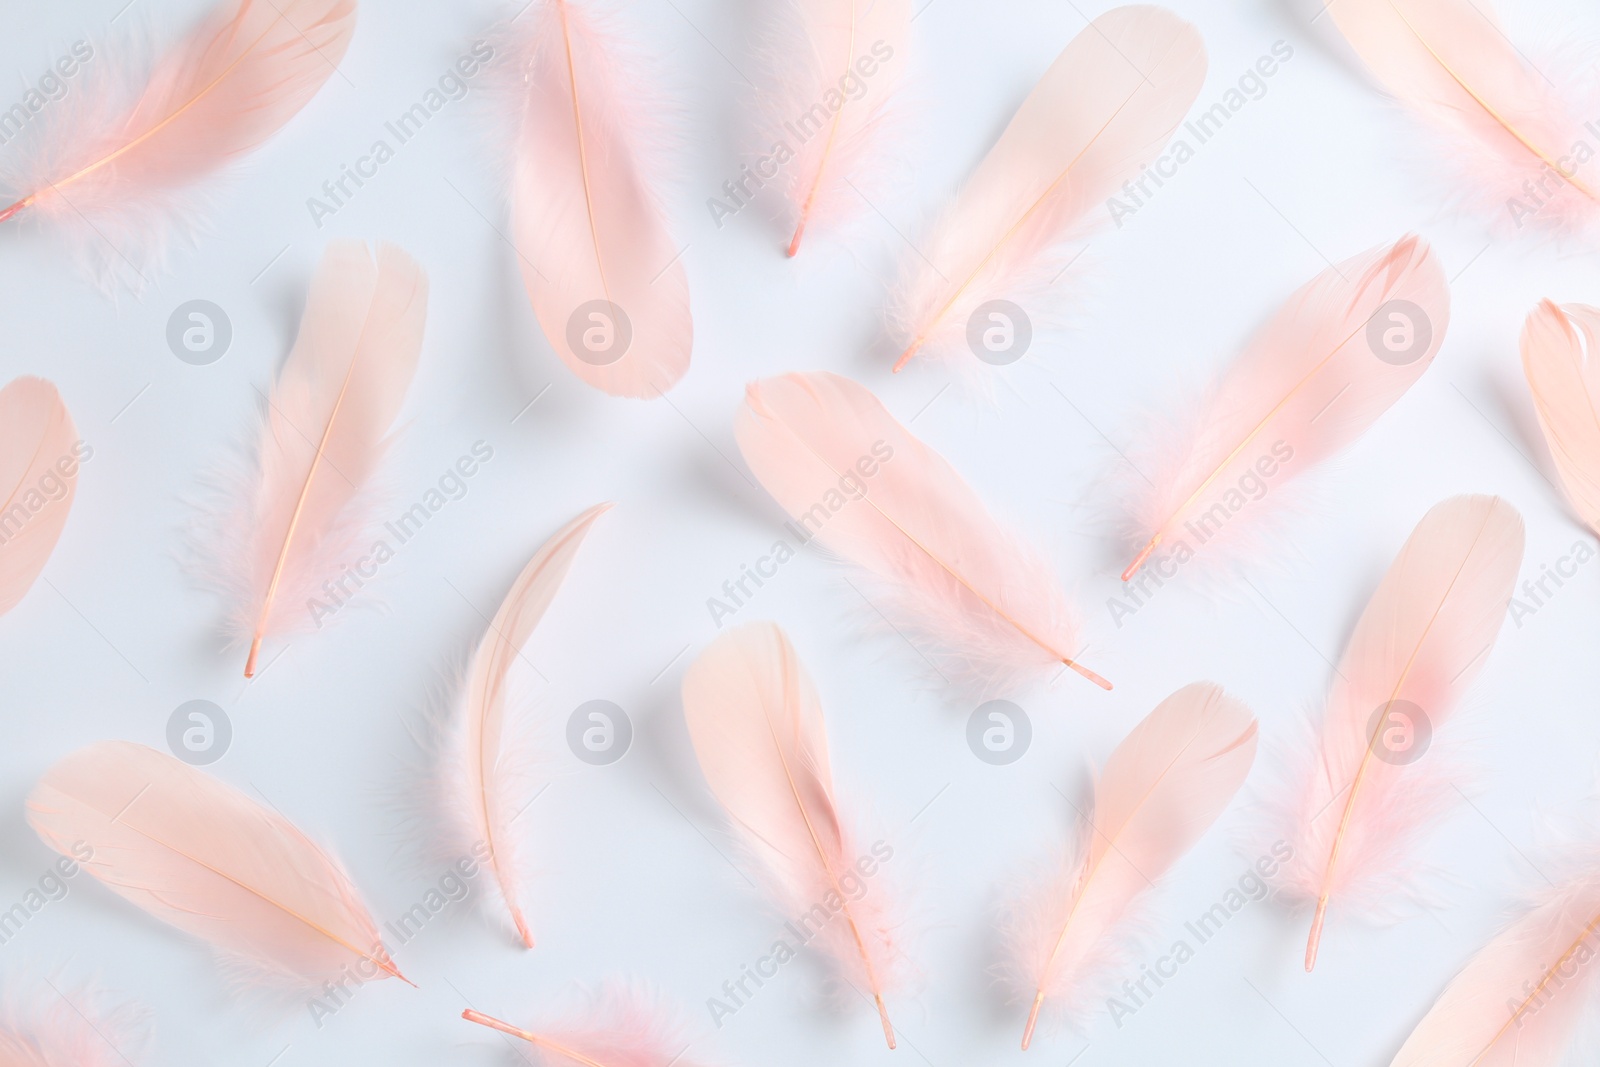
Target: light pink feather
1521, 1000
39, 455
1518, 141
326, 429
1337, 355
862, 485
489, 772
619, 1026
1357, 806
118, 172
44, 1025
1563, 371
205, 858
1106, 107
603, 274
758, 731
1160, 791
841, 64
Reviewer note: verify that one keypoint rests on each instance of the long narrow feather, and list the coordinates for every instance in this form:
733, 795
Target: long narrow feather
119, 174
38, 479
205, 858
1364, 797
862, 485
619, 1026
325, 431
1106, 107
759, 734
603, 274
841, 72
1338, 355
488, 773
1563, 371
1520, 1001
1513, 133
1162, 788
43, 1025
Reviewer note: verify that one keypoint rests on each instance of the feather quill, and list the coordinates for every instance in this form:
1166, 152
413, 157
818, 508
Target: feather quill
852, 51
758, 731
1559, 359
862, 485
325, 431
619, 1027
203, 857
1521, 999
488, 767
1452, 63
118, 173
1160, 791
1106, 107
1339, 353
39, 455
604, 275
1367, 793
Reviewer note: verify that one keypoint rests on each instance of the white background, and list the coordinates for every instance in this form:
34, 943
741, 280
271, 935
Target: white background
115, 635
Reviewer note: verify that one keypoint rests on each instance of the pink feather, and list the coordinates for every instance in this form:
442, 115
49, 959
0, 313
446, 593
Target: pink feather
117, 171
603, 274
841, 65
488, 762
758, 731
1160, 791
203, 857
42, 1025
39, 454
1338, 355
858, 481
1106, 107
326, 430
1563, 371
619, 1026
1520, 1001
1515, 137
1359, 803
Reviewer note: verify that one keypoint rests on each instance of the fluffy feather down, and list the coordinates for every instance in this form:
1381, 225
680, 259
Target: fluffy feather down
80, 1028
617, 1026
1106, 107
1162, 788
824, 446
38, 475
203, 857
1334, 358
116, 169
758, 731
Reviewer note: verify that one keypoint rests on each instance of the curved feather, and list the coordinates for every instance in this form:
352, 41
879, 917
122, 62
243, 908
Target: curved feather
1160, 791
1337, 355
1520, 1000
1558, 357
488, 761
1420, 643
758, 731
1106, 107
38, 479
857, 480
228, 86
1450, 61
602, 272
326, 431
203, 857
848, 53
